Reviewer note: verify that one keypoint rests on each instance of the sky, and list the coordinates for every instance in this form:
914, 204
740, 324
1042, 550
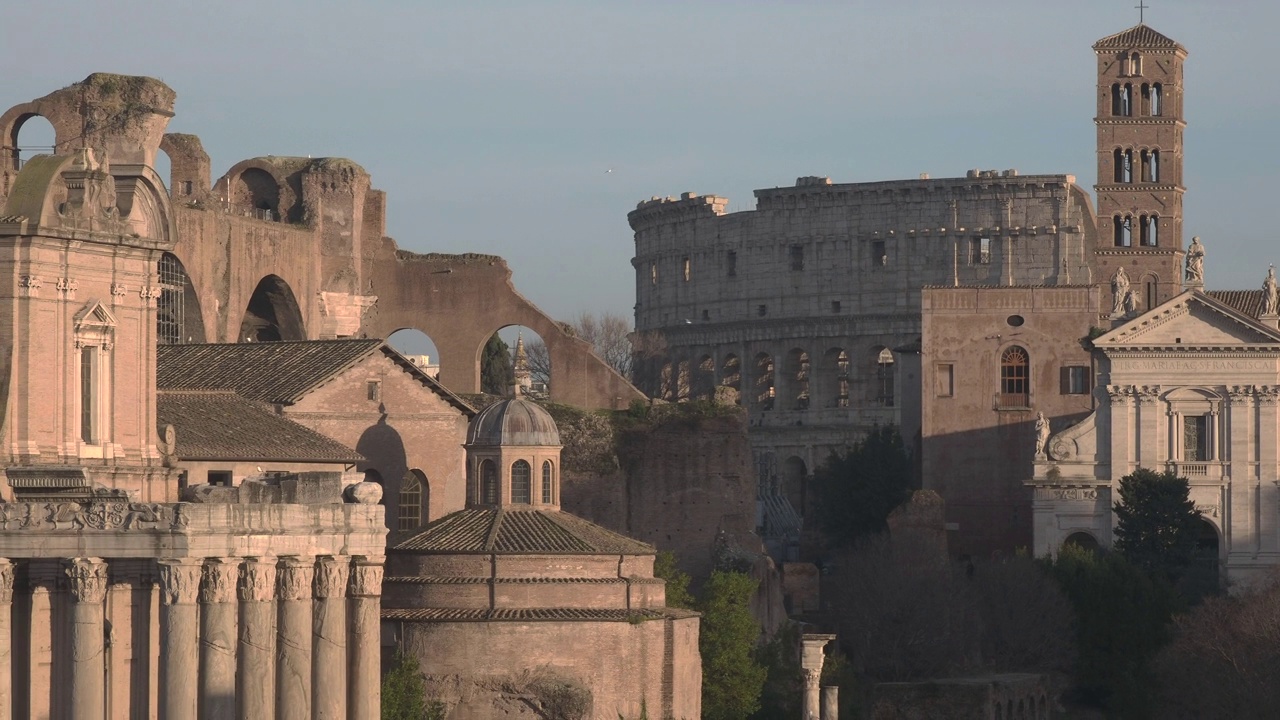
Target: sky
492, 125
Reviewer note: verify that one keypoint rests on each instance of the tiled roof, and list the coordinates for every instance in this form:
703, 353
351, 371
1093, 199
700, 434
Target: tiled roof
1245, 302
481, 614
220, 425
502, 530
276, 372
1140, 37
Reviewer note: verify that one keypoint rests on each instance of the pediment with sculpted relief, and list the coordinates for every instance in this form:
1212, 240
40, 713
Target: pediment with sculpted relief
1191, 319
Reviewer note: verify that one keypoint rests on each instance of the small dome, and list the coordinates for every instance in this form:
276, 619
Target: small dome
513, 422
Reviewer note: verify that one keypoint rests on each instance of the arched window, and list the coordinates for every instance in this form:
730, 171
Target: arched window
798, 376
547, 495
1155, 166
884, 378
1150, 230
488, 483
410, 505
1135, 64
1122, 231
1157, 99
521, 475
764, 381
731, 374
1015, 378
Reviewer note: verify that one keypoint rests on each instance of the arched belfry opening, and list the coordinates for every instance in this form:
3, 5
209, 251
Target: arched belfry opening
273, 313
178, 318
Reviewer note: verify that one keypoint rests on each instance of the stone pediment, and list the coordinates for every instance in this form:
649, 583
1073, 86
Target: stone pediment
94, 315
1191, 319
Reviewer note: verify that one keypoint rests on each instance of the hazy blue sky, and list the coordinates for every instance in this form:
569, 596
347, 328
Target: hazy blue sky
491, 124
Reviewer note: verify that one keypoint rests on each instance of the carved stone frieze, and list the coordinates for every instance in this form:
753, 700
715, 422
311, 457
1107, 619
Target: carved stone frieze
258, 580
366, 578
119, 290
1240, 393
94, 515
218, 581
68, 286
179, 581
1119, 393
6, 581
1053, 493
88, 579
294, 578
1267, 394
149, 295
1209, 510
331, 577
1146, 394
29, 285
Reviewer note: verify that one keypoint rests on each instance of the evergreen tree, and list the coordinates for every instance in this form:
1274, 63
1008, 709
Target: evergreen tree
857, 491
496, 372
404, 690
664, 567
731, 676
1157, 523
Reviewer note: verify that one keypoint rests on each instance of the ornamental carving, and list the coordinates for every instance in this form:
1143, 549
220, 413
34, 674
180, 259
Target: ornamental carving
257, 581
119, 290
1267, 394
331, 577
92, 515
366, 580
1147, 394
179, 581
294, 578
29, 285
1238, 393
67, 286
812, 677
149, 295
88, 579
218, 581
6, 581
1066, 494
1119, 393
1210, 510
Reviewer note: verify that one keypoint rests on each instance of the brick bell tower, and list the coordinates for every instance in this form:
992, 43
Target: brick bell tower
1140, 126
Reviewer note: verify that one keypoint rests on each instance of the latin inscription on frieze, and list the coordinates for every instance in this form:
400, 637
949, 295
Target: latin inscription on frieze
1206, 365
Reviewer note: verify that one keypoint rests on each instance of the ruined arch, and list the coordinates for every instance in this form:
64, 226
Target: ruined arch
272, 314
40, 138
703, 384
258, 192
731, 374
763, 381
833, 378
883, 377
179, 319
795, 482
797, 379
683, 380
418, 348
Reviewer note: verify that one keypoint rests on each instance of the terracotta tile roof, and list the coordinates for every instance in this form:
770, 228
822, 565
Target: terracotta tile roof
502, 530
221, 425
276, 372
482, 614
1137, 37
1245, 302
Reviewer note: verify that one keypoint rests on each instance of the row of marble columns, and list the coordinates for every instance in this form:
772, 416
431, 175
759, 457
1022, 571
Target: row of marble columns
294, 638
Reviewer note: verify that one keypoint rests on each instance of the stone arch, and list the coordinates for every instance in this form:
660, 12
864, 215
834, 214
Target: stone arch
703, 384
683, 379
257, 191
764, 390
832, 384
1082, 539
667, 381
796, 374
179, 319
272, 313
795, 483
40, 138
882, 377
731, 374
418, 348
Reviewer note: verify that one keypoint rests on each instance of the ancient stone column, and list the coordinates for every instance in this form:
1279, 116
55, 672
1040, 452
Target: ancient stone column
831, 702
88, 660
811, 658
256, 672
329, 640
179, 651
218, 638
364, 684
6, 630
293, 650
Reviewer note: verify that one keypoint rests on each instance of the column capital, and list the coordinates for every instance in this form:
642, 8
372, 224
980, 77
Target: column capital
88, 579
218, 580
179, 580
331, 576
294, 577
366, 577
258, 580
812, 677
6, 581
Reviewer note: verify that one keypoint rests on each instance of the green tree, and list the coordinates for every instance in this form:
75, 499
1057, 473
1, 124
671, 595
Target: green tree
731, 676
1157, 524
496, 372
1123, 616
783, 685
856, 491
664, 567
404, 690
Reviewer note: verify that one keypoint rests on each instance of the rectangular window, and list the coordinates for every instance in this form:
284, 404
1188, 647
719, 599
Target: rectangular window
706, 315
980, 251
944, 380
797, 257
731, 263
688, 268
187, 188
1195, 437
835, 306
220, 477
374, 389
761, 310
653, 273
879, 256
1075, 380
89, 395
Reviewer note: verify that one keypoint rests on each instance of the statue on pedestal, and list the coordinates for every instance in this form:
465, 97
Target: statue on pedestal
1042, 433
1195, 262
1119, 291
1270, 295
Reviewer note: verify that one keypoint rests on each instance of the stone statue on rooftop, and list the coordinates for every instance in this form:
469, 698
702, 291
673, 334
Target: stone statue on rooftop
1042, 433
1119, 291
1270, 292
1195, 262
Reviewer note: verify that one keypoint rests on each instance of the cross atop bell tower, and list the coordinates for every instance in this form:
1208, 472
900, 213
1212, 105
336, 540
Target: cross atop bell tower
1140, 127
